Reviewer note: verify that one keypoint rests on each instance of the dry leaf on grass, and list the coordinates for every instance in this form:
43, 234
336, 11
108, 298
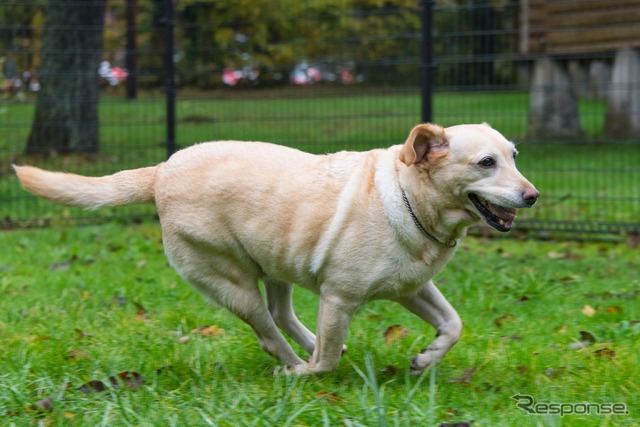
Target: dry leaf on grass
44, 405
503, 320
394, 333
209, 331
465, 378
80, 334
331, 397
130, 379
141, 312
588, 311
586, 339
605, 352
78, 355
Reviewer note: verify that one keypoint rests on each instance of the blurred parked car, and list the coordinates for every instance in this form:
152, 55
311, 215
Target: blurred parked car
113, 75
304, 73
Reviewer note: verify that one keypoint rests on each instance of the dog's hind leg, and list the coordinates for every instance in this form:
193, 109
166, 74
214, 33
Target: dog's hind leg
231, 281
280, 305
240, 294
430, 305
248, 305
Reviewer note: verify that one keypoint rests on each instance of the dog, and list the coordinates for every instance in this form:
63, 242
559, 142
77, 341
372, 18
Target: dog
350, 226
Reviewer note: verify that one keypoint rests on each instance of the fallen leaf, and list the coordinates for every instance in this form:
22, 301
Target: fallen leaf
453, 412
332, 397
130, 379
389, 370
119, 300
394, 333
503, 320
603, 295
78, 355
209, 331
485, 386
613, 309
44, 405
605, 352
588, 311
555, 373
60, 266
93, 386
521, 369
164, 369
556, 255
80, 334
465, 378
141, 312
587, 337
570, 279
514, 337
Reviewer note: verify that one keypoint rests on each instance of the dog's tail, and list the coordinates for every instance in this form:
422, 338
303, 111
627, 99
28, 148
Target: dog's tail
123, 188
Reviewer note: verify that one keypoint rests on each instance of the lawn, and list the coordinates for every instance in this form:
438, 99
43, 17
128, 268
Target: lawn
557, 321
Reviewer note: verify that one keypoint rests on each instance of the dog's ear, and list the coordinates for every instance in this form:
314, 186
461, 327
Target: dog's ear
425, 143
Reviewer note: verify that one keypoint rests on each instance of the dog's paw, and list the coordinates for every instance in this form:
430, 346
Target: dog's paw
305, 369
422, 361
296, 370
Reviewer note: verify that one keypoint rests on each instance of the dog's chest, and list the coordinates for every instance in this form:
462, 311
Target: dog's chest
409, 273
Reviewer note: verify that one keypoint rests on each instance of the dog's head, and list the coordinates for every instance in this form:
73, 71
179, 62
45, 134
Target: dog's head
472, 169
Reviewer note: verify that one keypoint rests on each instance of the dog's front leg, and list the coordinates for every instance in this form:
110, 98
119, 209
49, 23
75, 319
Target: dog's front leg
430, 305
334, 317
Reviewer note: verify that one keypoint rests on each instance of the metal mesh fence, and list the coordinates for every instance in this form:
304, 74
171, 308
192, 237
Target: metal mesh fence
326, 76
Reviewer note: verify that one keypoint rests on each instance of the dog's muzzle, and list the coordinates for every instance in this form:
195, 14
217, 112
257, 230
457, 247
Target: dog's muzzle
498, 217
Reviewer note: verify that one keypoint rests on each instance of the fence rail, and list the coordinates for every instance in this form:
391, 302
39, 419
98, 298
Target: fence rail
328, 77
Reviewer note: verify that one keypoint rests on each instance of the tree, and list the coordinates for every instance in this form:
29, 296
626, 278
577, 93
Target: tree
66, 116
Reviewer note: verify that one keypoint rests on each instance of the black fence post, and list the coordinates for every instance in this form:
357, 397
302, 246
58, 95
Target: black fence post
131, 57
426, 59
170, 84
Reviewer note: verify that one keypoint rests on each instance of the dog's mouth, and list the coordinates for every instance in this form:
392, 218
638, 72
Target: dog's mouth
498, 217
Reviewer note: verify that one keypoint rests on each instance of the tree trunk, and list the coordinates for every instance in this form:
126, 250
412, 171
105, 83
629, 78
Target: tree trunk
66, 116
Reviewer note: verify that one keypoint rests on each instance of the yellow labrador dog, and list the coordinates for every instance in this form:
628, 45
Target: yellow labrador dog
350, 226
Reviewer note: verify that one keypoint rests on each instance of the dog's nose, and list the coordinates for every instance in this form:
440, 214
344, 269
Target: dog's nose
530, 196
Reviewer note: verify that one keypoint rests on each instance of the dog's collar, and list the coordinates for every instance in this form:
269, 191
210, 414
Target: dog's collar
450, 243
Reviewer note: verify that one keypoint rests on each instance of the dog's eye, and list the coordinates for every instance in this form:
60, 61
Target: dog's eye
487, 162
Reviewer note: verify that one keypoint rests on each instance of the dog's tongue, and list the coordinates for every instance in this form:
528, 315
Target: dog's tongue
507, 215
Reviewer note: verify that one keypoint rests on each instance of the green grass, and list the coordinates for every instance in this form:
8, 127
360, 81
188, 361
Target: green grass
589, 181
82, 304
